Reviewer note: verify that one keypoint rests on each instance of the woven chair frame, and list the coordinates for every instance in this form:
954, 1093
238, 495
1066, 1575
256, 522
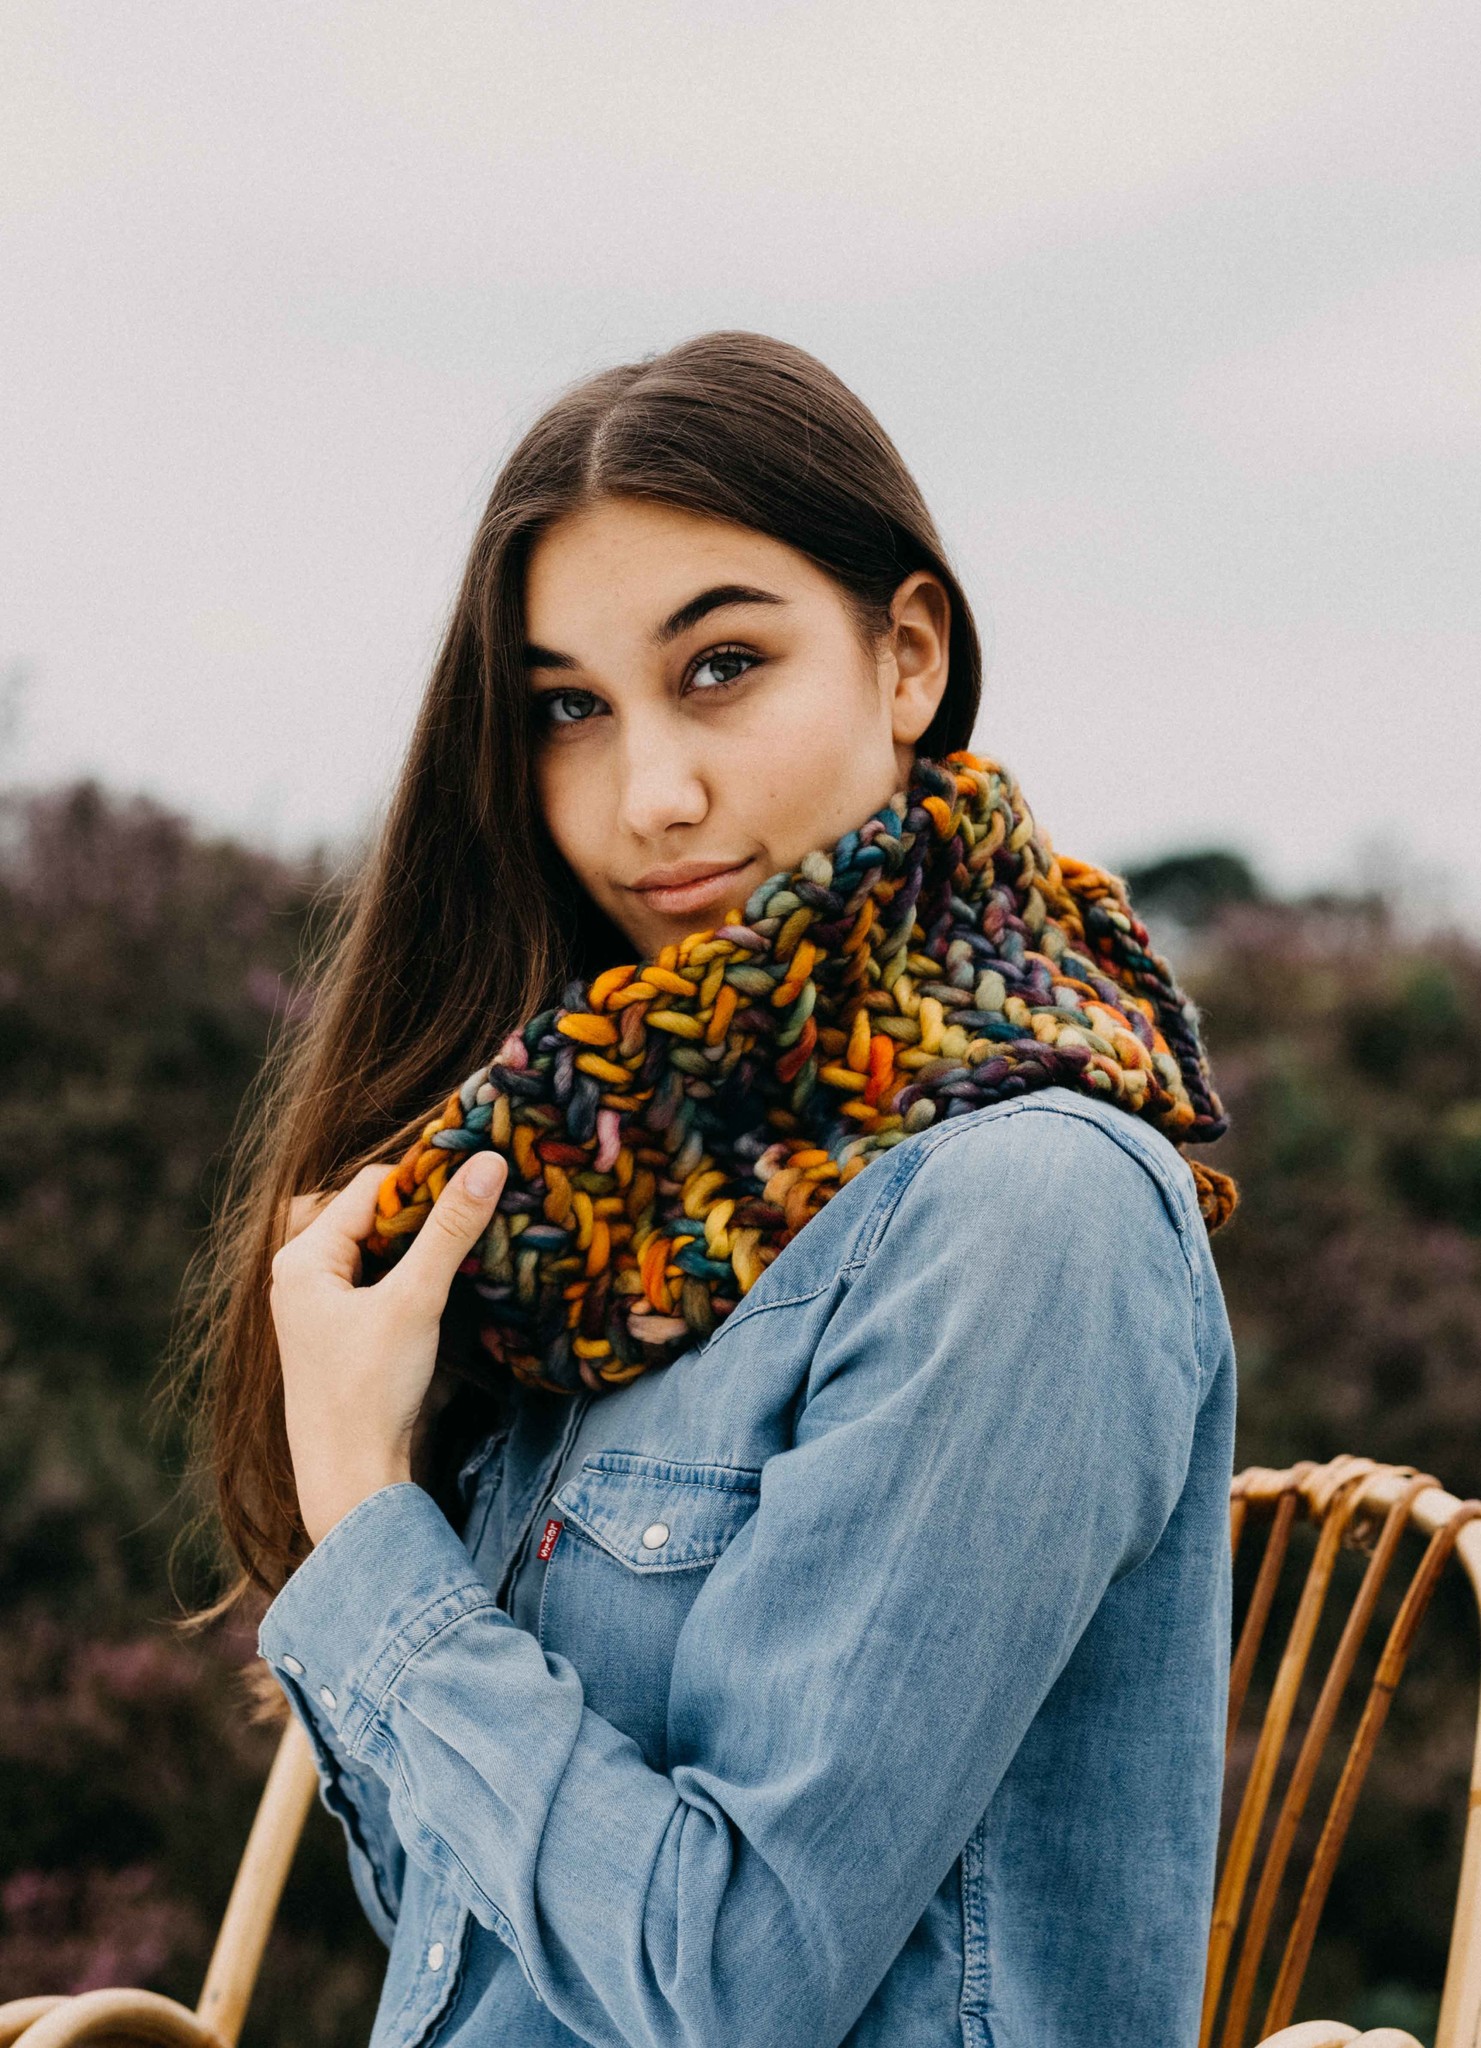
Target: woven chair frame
1370, 1506
1349, 1499
231, 1975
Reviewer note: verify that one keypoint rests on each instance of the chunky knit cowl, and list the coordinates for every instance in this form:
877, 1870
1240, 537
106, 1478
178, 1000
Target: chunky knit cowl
672, 1124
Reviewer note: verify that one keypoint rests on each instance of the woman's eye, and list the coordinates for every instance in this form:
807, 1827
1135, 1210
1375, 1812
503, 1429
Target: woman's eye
549, 699
713, 672
726, 665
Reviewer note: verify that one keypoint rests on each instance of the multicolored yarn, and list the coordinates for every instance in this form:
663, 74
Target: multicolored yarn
673, 1124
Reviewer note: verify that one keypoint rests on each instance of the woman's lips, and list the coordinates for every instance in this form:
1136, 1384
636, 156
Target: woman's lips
684, 897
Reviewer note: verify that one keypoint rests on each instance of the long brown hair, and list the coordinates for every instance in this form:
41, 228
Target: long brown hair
463, 920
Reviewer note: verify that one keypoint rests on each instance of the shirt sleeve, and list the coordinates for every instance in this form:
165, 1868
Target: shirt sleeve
997, 1424
358, 1798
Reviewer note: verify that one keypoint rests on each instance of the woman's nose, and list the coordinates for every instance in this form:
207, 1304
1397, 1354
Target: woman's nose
662, 785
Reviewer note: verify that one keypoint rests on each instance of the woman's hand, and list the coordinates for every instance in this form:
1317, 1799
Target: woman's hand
357, 1361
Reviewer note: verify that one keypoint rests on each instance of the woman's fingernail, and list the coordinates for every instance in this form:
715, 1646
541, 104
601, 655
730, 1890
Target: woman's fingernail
485, 1175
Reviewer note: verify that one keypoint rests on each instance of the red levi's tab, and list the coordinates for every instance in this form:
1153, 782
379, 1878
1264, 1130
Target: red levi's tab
549, 1540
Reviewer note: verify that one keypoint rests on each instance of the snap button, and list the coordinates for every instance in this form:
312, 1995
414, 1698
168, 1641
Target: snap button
327, 1696
292, 1664
436, 1956
656, 1534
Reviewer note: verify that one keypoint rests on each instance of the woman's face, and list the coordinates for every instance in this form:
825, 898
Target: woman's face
706, 710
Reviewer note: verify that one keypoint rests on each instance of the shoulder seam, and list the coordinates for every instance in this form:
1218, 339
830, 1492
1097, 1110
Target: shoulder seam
874, 1221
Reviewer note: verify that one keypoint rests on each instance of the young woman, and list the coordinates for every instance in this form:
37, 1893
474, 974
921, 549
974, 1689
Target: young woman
742, 1480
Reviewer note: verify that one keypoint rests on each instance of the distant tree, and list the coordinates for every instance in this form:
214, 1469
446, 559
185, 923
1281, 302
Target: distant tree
1192, 887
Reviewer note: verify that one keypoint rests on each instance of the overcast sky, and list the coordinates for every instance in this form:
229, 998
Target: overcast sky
1174, 309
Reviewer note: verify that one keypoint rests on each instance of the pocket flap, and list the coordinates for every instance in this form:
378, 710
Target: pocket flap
657, 1514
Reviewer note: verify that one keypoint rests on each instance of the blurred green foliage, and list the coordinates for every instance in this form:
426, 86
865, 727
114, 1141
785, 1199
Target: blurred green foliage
143, 968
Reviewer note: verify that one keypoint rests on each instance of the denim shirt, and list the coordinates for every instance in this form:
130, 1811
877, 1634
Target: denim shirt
858, 1677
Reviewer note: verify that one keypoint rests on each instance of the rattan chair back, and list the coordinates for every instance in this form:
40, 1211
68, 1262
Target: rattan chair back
1349, 1503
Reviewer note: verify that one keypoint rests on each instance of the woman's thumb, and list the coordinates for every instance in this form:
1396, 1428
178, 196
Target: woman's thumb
482, 1177
456, 1220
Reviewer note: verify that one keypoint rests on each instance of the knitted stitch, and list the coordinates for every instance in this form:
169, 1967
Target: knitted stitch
671, 1125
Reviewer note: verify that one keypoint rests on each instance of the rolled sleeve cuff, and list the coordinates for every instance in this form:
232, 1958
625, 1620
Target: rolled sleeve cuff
387, 1578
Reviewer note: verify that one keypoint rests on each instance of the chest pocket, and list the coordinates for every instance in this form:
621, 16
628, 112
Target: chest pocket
639, 1537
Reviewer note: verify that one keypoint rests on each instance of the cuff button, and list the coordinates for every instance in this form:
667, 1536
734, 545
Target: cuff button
327, 1696
436, 1956
292, 1664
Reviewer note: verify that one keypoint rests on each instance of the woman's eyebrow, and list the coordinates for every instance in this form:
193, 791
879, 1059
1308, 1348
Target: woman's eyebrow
677, 622
708, 601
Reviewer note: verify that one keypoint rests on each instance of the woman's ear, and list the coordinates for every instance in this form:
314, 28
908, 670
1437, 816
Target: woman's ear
916, 654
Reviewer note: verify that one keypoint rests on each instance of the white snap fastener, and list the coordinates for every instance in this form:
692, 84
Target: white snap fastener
436, 1956
655, 1534
327, 1696
292, 1664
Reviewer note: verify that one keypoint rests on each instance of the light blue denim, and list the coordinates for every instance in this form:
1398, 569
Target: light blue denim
873, 1690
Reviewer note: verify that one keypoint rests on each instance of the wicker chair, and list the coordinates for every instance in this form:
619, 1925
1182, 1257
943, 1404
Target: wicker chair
1350, 1502
144, 2016
1355, 1503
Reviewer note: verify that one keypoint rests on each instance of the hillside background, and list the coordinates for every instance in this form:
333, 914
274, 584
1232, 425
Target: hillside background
143, 967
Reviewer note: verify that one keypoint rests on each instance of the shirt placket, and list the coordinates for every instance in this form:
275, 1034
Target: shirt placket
541, 1497
477, 1478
